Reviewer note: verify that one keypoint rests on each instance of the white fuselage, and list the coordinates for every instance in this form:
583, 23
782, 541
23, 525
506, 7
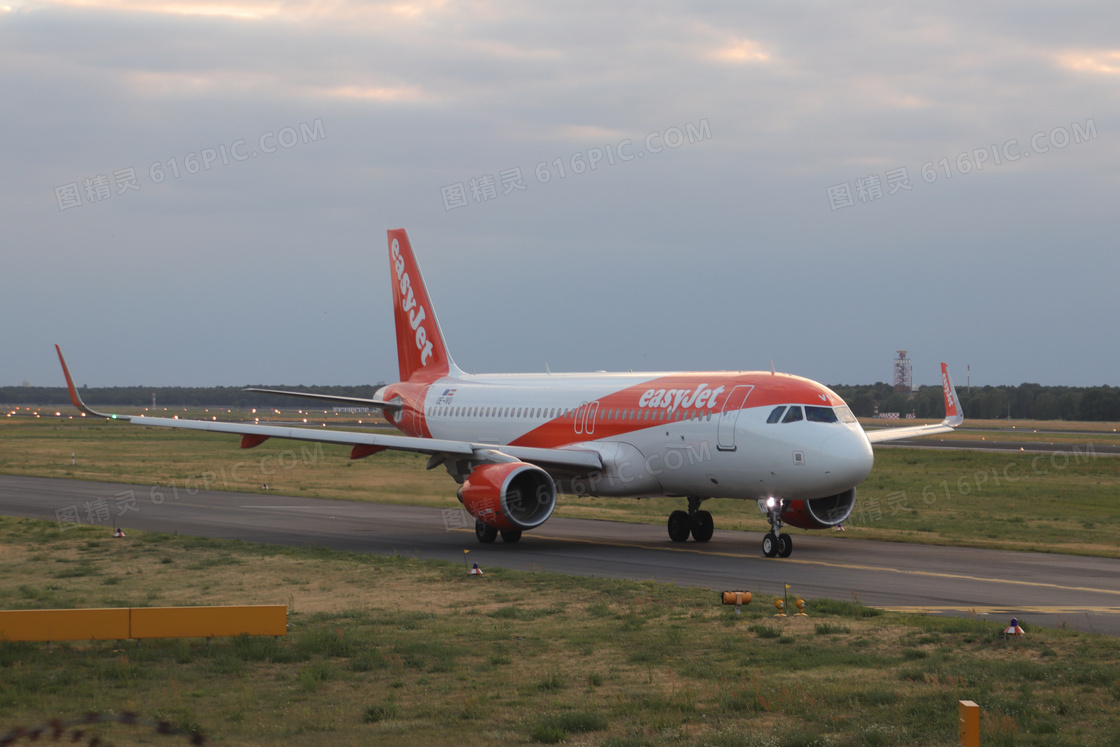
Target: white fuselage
702, 434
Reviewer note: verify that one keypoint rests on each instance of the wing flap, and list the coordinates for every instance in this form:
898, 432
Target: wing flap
348, 438
581, 459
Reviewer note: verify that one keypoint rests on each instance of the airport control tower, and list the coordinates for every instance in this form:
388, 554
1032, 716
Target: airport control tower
903, 373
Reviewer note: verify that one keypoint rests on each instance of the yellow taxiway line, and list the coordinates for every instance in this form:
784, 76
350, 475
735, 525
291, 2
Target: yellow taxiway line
846, 566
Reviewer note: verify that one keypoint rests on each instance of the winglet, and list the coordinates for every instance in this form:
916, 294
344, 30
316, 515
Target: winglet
76, 399
954, 413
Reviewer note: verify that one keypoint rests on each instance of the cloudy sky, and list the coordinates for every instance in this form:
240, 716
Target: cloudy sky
198, 193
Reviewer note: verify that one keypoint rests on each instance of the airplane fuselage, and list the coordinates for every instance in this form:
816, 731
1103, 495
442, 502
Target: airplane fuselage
746, 435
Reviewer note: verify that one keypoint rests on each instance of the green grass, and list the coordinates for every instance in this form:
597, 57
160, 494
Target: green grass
406, 651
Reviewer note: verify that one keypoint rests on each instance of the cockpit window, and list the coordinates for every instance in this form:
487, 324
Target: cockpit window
845, 415
820, 414
776, 415
793, 415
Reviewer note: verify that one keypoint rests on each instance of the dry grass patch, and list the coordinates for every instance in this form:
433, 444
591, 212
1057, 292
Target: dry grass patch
400, 650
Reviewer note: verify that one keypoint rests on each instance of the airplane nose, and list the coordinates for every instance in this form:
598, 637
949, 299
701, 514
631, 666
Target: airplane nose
847, 458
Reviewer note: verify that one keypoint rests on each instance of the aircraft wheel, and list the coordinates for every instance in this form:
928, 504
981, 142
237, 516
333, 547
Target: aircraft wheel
511, 535
785, 545
485, 532
769, 545
703, 526
679, 526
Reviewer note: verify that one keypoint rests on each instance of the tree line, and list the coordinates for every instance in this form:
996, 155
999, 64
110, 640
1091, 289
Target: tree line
1022, 402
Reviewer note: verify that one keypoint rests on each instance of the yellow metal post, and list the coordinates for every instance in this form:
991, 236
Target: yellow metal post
968, 723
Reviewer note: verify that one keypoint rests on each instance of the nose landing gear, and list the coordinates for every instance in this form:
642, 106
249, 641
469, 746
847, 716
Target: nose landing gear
775, 543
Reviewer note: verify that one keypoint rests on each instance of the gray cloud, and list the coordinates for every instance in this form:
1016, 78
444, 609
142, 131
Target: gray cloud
721, 253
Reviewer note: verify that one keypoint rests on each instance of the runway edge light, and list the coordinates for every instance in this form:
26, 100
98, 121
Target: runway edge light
737, 598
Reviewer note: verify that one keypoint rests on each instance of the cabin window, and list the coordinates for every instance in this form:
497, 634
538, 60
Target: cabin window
793, 415
776, 414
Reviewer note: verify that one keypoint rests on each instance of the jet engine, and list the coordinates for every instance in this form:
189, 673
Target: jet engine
512, 495
820, 513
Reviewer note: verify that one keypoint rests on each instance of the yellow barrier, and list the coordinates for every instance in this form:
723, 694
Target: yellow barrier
64, 625
208, 622
142, 622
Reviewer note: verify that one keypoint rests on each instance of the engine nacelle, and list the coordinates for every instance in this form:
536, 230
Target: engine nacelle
820, 513
513, 495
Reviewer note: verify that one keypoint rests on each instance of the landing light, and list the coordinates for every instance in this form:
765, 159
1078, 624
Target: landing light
770, 502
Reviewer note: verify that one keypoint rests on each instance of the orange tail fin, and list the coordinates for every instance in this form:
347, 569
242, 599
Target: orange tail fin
421, 351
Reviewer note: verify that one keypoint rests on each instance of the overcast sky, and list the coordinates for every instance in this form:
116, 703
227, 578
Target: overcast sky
198, 194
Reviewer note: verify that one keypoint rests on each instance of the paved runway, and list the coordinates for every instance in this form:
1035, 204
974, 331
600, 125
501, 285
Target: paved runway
1081, 593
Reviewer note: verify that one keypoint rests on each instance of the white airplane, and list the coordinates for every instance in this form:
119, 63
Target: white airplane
515, 441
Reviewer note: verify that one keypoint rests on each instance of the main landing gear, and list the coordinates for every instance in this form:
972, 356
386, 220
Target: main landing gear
776, 543
487, 534
694, 521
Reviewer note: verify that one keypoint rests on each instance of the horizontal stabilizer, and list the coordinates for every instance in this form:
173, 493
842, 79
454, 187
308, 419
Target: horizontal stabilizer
355, 401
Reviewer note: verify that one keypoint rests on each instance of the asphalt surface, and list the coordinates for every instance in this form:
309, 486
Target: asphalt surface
1080, 593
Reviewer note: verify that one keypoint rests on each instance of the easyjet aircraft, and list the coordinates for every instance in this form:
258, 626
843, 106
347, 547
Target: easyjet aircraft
515, 441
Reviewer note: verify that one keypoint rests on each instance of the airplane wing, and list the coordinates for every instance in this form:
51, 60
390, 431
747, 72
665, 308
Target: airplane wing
954, 416
253, 434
